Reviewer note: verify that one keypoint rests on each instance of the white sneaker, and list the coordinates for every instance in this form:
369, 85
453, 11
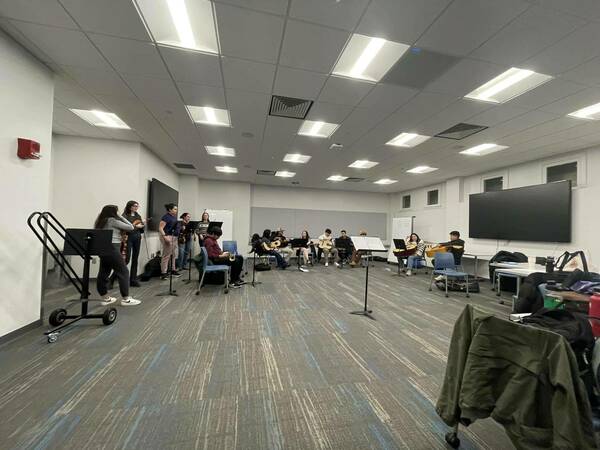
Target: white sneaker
326, 263
108, 300
439, 278
408, 273
337, 264
130, 301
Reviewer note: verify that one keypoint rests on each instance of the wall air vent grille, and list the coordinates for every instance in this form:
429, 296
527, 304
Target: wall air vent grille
184, 166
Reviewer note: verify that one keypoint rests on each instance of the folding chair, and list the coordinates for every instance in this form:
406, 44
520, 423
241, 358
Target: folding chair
444, 265
212, 268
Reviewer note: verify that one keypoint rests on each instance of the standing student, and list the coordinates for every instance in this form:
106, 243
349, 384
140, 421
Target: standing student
184, 241
203, 226
133, 242
168, 230
109, 219
414, 241
217, 256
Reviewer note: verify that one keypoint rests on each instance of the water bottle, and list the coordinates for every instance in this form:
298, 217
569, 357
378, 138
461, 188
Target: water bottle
595, 312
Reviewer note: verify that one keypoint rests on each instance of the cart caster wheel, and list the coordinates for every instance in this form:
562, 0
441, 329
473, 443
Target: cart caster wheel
226, 291
57, 317
452, 440
197, 292
52, 338
109, 316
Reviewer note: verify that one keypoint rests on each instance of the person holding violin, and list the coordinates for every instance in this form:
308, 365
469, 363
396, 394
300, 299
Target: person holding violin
414, 242
131, 242
185, 241
168, 231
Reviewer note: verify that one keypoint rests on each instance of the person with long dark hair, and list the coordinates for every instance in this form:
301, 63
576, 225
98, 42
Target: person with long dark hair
109, 219
168, 230
414, 260
305, 246
134, 241
185, 241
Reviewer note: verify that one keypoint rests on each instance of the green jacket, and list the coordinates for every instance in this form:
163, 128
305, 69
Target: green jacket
524, 378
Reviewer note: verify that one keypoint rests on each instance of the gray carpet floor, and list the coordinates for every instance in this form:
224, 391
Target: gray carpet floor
278, 366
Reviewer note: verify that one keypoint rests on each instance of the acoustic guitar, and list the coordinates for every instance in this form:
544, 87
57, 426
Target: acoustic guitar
326, 244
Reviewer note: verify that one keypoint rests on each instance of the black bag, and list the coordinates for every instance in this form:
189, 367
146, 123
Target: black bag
508, 284
459, 285
151, 269
564, 259
262, 267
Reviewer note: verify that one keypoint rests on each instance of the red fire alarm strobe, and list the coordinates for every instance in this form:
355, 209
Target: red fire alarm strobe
28, 149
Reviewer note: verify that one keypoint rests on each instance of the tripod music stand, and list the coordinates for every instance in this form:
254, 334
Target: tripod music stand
193, 225
368, 245
171, 291
254, 282
298, 244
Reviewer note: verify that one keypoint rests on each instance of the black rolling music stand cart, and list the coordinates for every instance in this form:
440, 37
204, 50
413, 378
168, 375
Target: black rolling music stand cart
367, 245
77, 242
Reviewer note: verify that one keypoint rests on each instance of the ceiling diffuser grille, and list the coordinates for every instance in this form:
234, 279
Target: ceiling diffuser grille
266, 172
461, 131
354, 180
184, 166
293, 108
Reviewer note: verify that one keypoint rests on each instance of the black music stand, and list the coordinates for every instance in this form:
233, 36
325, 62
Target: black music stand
254, 282
368, 245
193, 225
212, 225
299, 244
171, 291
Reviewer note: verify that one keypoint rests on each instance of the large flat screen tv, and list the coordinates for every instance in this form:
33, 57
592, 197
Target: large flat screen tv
533, 213
159, 195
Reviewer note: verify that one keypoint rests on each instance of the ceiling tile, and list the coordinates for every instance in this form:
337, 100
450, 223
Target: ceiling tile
155, 91
298, 83
344, 91
272, 6
546, 93
455, 113
400, 20
68, 47
331, 13
387, 97
311, 47
497, 114
569, 52
530, 33
465, 76
587, 9
248, 75
114, 17
328, 112
45, 12
359, 122
199, 95
248, 34
248, 110
98, 81
467, 24
587, 73
132, 57
571, 103
192, 67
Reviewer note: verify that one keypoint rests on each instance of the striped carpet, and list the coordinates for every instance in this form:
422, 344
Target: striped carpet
278, 366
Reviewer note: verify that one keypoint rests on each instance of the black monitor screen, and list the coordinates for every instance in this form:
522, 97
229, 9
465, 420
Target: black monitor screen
159, 195
534, 213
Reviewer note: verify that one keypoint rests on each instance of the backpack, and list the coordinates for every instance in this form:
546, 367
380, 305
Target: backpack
262, 267
508, 284
151, 269
459, 285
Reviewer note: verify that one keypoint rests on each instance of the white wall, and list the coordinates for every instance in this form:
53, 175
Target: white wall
26, 98
90, 173
434, 223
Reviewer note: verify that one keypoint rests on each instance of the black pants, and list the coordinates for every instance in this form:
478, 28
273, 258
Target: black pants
236, 266
115, 262
134, 244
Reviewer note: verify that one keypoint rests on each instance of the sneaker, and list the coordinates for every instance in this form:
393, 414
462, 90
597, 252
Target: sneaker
439, 278
176, 274
130, 301
337, 264
408, 273
303, 269
134, 283
108, 300
164, 276
326, 263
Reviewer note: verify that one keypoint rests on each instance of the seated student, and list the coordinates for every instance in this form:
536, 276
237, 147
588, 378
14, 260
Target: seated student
283, 248
414, 241
343, 245
356, 255
304, 249
266, 249
456, 246
217, 256
326, 247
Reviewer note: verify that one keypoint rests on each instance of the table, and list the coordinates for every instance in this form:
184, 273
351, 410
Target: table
514, 270
475, 257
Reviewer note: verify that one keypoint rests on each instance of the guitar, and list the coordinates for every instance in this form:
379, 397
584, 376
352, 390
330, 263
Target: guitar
326, 244
431, 250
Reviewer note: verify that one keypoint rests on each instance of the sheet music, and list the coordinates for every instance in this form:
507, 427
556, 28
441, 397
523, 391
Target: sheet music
369, 243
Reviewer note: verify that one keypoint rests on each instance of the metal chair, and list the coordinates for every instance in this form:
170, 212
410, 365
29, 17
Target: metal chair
212, 268
444, 265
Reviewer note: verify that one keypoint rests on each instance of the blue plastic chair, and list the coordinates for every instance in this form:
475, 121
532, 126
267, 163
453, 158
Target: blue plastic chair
212, 268
444, 265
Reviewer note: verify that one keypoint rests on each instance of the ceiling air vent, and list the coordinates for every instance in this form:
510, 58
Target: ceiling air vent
292, 108
354, 180
266, 172
460, 131
184, 166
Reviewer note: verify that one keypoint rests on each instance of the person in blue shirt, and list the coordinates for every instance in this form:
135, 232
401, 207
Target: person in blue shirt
168, 230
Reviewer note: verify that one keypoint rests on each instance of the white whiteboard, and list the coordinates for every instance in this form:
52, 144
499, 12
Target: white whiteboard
401, 228
225, 216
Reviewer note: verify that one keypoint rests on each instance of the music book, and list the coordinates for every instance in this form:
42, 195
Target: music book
372, 244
